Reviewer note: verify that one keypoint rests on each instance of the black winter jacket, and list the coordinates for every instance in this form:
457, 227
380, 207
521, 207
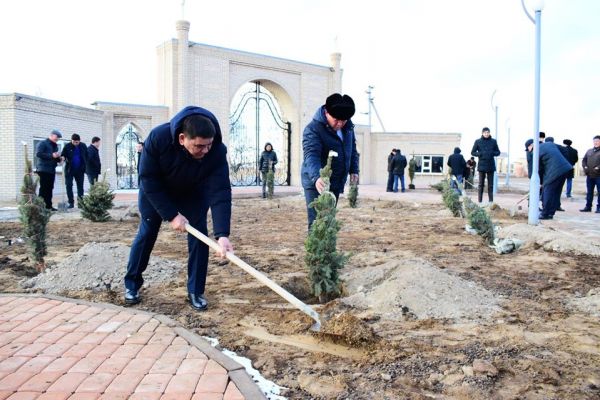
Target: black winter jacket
457, 162
168, 172
591, 162
45, 161
486, 150
265, 158
93, 165
68, 153
398, 164
552, 165
572, 157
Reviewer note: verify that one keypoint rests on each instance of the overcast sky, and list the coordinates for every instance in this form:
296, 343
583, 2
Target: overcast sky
434, 63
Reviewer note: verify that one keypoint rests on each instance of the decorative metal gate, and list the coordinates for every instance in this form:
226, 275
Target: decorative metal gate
127, 158
255, 120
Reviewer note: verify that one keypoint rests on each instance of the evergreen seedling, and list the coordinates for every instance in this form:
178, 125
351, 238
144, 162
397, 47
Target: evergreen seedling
322, 259
353, 195
480, 221
412, 167
34, 216
95, 205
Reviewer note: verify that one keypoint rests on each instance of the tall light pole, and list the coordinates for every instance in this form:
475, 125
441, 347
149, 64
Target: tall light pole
534, 184
495, 109
507, 182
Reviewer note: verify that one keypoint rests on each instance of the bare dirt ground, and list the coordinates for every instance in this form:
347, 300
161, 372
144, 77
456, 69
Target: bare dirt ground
529, 342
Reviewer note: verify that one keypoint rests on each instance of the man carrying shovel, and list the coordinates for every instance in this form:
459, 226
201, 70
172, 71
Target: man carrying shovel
183, 172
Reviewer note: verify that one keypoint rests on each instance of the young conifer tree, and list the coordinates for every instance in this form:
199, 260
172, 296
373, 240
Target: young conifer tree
270, 181
322, 258
353, 194
34, 216
95, 205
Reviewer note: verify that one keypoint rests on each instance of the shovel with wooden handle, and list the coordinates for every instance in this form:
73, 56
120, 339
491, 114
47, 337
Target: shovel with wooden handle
260, 276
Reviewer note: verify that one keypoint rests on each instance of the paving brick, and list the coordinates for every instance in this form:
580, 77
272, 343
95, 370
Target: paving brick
192, 366
116, 338
145, 396
150, 326
24, 396
123, 316
54, 396
141, 318
110, 326
139, 338
152, 351
154, 383
62, 364
50, 337
45, 306
176, 351
104, 350
32, 350
72, 338
36, 364
207, 396
28, 338
84, 396
95, 383
87, 365
67, 382
176, 396
139, 365
10, 325
88, 327
21, 326
12, 381
125, 383
195, 353
39, 382
113, 365
128, 350
4, 394
183, 383
212, 367
56, 349
179, 341
212, 384
26, 316
130, 327
166, 365
162, 338
114, 396
232, 393
9, 337
47, 326
94, 338
13, 363
79, 350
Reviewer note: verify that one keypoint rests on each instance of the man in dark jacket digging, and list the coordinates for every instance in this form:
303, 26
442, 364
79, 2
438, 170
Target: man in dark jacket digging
183, 172
486, 149
330, 129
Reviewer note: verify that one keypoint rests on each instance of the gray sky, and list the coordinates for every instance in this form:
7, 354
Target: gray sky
434, 63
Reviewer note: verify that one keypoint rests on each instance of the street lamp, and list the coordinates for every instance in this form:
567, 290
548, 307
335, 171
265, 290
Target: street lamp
534, 184
507, 182
495, 109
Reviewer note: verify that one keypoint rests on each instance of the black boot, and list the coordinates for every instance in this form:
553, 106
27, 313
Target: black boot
586, 209
198, 302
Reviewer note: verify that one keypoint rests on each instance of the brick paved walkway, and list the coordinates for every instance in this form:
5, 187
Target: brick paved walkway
58, 348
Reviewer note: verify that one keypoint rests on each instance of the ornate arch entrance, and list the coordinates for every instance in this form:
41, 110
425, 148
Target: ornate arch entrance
255, 119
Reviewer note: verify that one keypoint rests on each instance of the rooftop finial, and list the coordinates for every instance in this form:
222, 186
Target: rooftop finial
183, 9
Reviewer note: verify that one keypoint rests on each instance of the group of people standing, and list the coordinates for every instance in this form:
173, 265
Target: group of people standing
396, 165
77, 159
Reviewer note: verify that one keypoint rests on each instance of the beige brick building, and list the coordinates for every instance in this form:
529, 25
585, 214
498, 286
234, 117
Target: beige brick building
211, 77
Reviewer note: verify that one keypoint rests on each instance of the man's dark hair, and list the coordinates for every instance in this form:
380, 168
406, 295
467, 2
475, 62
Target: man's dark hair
597, 137
75, 137
485, 129
542, 134
198, 126
95, 139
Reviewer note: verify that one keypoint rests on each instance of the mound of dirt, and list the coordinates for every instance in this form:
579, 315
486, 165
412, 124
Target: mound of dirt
551, 240
98, 266
410, 285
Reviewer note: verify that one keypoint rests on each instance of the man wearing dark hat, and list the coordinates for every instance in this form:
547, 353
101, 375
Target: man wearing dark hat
48, 157
572, 157
75, 156
330, 130
553, 170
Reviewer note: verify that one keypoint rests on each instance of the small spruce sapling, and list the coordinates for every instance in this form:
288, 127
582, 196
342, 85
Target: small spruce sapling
95, 204
412, 167
270, 181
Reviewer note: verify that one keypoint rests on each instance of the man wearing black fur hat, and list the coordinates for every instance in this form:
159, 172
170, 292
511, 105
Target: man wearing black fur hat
330, 129
572, 157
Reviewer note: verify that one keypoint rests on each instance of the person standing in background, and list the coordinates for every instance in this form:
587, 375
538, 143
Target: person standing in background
572, 157
75, 155
486, 148
93, 166
48, 158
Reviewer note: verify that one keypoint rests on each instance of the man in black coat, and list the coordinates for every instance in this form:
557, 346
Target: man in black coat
486, 148
457, 164
183, 173
75, 155
47, 158
572, 157
93, 166
390, 168
553, 170
268, 159
399, 163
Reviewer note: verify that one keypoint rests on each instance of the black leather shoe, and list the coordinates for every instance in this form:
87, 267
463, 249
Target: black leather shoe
546, 217
560, 209
132, 297
586, 209
198, 302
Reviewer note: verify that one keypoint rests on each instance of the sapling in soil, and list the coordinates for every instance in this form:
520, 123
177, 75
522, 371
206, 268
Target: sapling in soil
412, 167
95, 205
353, 194
270, 181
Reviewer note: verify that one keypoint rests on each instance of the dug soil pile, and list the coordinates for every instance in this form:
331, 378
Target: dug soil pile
429, 310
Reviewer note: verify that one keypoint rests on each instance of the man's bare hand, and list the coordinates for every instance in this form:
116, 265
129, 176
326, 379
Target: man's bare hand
178, 223
354, 179
226, 247
320, 185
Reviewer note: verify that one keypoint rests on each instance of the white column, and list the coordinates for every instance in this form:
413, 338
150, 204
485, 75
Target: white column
183, 28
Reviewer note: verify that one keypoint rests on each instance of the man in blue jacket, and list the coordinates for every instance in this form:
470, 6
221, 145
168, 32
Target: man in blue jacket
553, 171
330, 129
48, 157
75, 156
183, 172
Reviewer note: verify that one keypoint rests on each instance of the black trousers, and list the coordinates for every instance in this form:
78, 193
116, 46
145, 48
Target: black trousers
78, 176
490, 185
92, 178
46, 186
